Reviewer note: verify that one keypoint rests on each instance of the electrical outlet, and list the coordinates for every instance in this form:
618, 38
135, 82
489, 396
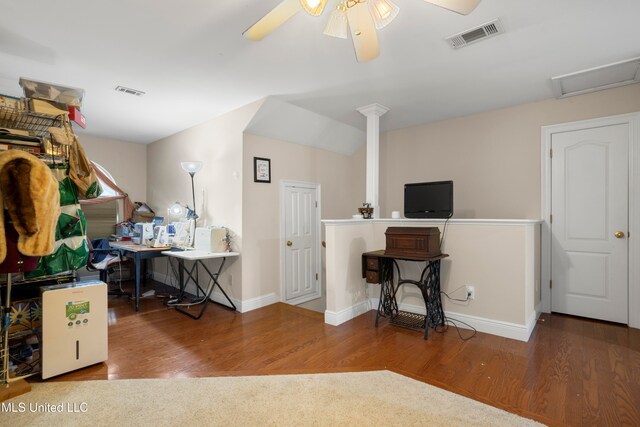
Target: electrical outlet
471, 292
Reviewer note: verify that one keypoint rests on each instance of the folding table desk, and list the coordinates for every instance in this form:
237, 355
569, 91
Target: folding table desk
198, 257
139, 253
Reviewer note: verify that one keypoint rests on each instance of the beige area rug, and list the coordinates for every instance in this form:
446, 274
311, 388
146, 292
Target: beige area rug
380, 398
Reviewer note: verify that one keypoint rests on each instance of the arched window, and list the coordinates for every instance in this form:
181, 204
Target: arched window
107, 190
111, 207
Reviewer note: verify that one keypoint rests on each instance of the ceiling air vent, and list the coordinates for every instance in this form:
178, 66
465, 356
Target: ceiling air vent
476, 34
599, 78
129, 91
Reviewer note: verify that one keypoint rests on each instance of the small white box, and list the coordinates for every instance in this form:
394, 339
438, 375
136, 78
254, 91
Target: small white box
210, 239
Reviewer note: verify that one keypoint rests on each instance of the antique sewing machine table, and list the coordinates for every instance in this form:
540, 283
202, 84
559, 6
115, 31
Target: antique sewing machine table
378, 267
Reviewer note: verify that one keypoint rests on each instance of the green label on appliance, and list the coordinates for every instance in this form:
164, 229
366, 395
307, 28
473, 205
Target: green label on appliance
74, 310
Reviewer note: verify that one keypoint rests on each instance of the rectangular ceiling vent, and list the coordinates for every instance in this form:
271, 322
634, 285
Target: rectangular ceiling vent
129, 91
598, 78
476, 34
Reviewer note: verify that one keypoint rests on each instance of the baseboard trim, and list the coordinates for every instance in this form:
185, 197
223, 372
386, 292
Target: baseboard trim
482, 324
252, 303
497, 327
242, 306
336, 318
490, 326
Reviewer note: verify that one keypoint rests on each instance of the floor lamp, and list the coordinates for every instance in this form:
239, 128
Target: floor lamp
192, 168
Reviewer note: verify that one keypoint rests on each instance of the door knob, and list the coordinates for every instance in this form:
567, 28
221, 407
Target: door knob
289, 243
619, 234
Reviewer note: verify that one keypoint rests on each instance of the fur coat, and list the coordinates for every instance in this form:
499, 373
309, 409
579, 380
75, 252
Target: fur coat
29, 192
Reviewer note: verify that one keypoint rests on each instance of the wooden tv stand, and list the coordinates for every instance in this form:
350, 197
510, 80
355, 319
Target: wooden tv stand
378, 266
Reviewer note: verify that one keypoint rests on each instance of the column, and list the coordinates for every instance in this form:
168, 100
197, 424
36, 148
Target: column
372, 113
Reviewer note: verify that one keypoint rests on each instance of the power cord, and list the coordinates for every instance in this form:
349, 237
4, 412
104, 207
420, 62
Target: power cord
451, 321
444, 231
176, 303
120, 261
173, 279
173, 282
468, 298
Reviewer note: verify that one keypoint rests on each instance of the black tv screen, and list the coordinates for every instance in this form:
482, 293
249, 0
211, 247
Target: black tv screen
428, 199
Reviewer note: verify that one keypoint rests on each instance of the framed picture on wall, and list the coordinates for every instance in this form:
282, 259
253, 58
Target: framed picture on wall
261, 170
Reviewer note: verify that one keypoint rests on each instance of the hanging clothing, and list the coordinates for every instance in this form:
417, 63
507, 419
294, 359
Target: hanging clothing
29, 191
81, 171
71, 250
107, 183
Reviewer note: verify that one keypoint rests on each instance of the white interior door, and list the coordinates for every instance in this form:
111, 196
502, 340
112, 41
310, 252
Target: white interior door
301, 243
589, 204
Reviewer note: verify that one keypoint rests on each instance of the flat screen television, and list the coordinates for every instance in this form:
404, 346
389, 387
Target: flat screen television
428, 199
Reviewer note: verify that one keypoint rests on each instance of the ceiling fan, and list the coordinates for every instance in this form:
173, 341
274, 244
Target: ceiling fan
360, 18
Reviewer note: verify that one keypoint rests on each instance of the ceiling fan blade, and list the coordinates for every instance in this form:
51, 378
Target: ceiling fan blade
273, 19
463, 7
363, 32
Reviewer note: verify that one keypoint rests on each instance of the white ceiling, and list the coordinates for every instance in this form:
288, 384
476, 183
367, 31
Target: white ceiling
190, 58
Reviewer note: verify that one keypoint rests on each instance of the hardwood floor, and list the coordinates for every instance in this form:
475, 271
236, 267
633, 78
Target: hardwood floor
573, 371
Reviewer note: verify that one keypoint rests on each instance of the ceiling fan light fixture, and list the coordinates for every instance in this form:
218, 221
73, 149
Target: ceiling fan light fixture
363, 31
383, 12
338, 25
313, 7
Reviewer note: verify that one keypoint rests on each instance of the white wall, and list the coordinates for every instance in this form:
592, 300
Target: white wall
492, 157
125, 161
261, 205
218, 144
499, 258
226, 194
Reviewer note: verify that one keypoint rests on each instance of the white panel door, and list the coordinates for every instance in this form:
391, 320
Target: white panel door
589, 204
301, 244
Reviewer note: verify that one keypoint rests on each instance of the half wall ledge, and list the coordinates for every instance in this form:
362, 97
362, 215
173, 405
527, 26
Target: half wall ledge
499, 257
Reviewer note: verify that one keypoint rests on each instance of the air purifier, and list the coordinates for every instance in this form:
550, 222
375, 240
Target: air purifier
74, 326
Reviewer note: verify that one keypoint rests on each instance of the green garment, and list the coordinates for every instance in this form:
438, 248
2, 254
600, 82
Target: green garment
71, 250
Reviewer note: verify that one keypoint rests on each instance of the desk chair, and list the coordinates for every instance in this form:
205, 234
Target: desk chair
107, 262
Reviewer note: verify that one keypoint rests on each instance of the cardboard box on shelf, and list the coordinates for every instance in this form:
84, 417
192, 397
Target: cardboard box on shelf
27, 148
9, 102
50, 108
10, 131
53, 92
142, 213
